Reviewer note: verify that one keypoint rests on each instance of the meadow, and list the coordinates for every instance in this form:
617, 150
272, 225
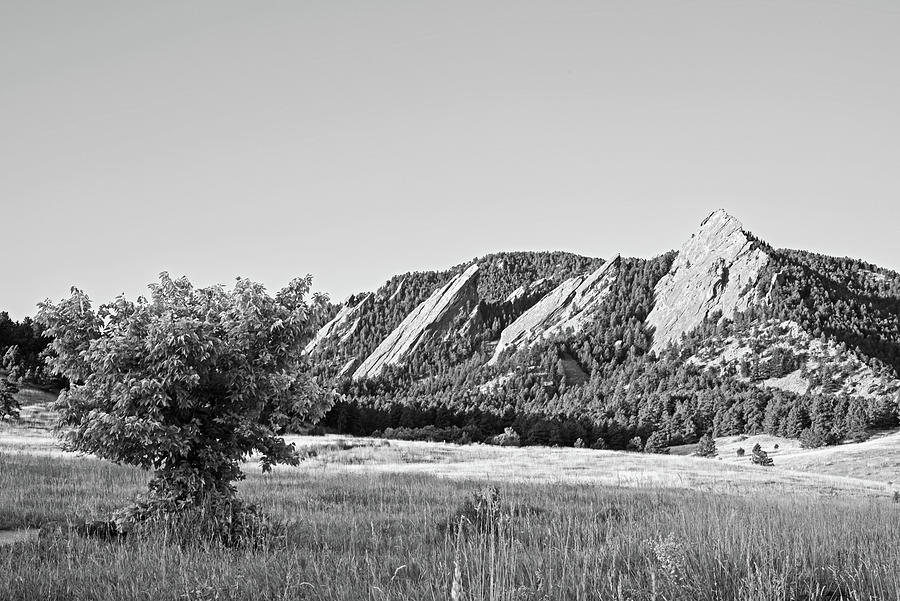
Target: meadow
352, 523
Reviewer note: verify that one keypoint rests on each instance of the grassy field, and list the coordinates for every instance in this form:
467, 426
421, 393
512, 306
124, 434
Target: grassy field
376, 521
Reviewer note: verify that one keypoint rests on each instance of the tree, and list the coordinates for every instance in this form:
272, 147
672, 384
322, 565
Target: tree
707, 446
760, 457
187, 384
857, 422
657, 443
9, 406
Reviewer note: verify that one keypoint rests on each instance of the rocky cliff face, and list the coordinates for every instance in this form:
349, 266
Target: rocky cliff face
430, 321
572, 304
342, 326
716, 270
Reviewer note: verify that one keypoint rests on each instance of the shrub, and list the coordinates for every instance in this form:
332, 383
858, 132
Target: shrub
741, 452
707, 446
509, 438
635, 444
760, 457
9, 406
481, 512
599, 444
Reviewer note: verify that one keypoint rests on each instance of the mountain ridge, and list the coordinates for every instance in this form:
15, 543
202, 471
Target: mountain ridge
517, 348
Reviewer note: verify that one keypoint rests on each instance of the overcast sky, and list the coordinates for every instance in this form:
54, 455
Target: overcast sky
357, 140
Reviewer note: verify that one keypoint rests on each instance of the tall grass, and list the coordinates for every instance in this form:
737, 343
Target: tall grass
379, 537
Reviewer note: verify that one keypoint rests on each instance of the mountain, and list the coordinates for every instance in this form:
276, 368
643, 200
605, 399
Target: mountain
715, 271
427, 323
726, 334
567, 307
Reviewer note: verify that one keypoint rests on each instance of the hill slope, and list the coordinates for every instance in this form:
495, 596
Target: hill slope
727, 335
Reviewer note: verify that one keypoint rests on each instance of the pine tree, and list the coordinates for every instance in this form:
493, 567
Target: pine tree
658, 443
760, 457
9, 406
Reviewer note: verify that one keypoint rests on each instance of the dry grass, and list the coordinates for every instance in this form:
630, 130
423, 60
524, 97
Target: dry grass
366, 520
380, 536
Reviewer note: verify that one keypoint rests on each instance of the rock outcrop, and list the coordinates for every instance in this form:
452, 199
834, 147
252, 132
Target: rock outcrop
430, 321
570, 305
342, 326
716, 270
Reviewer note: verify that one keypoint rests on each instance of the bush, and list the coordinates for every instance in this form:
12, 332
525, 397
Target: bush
741, 452
599, 444
509, 438
9, 406
635, 444
707, 446
481, 512
760, 457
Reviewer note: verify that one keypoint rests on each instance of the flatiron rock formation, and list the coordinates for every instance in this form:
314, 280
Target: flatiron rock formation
342, 326
570, 305
716, 270
428, 322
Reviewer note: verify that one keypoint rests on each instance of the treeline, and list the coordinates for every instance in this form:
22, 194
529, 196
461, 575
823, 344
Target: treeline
21, 345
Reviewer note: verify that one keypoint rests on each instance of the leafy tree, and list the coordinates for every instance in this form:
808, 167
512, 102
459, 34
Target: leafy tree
9, 406
707, 446
187, 384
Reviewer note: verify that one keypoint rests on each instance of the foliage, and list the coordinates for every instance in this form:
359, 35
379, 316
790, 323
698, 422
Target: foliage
9, 406
21, 346
635, 444
509, 438
760, 457
657, 443
707, 446
187, 384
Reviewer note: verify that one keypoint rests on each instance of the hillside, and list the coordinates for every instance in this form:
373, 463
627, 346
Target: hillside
726, 334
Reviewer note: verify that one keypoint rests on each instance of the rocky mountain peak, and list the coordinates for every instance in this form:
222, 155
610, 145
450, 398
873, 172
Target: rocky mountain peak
715, 270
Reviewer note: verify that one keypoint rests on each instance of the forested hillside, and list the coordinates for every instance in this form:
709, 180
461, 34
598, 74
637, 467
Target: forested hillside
779, 341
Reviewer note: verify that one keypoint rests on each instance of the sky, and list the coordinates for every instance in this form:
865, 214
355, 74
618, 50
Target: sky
354, 140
